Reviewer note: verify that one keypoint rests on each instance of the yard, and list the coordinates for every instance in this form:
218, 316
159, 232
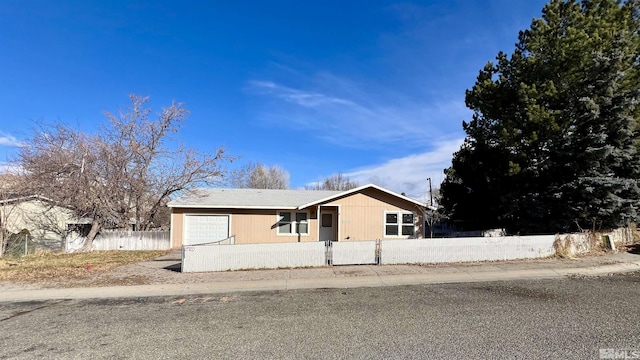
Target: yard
47, 266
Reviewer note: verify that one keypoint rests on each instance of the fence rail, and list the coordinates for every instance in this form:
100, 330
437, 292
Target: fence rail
353, 253
124, 240
200, 258
465, 249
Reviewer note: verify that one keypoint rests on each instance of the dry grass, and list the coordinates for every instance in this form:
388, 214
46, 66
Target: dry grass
51, 266
563, 247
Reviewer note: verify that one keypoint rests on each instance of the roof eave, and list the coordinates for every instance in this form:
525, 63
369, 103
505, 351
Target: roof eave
360, 188
231, 207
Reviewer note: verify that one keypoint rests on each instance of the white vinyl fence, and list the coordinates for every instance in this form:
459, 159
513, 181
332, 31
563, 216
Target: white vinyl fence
124, 240
200, 258
465, 249
353, 252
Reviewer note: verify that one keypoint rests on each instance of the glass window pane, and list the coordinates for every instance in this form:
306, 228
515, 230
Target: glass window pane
391, 230
303, 228
407, 218
285, 216
407, 230
284, 228
301, 217
327, 220
392, 218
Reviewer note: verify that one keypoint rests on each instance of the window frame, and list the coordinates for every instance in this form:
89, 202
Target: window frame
293, 222
399, 224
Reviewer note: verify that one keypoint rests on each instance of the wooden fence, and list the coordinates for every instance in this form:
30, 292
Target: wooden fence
124, 240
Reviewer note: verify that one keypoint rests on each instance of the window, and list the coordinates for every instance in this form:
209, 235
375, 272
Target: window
292, 223
327, 220
302, 226
399, 224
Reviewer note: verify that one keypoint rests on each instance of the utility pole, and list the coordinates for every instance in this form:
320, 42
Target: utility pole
430, 191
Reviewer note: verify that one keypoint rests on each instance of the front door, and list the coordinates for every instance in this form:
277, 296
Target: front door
328, 225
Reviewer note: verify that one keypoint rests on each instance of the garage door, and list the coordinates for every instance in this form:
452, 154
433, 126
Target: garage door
199, 229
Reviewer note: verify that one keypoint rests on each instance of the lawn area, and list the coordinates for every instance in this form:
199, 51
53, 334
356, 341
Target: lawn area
47, 265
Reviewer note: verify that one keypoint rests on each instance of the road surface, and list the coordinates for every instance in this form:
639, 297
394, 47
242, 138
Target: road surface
544, 319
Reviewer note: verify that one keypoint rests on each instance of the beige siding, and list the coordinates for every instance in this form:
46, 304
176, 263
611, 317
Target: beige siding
361, 217
248, 226
176, 227
47, 224
362, 214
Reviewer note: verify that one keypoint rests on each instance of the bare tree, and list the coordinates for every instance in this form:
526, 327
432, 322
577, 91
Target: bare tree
121, 175
434, 213
255, 175
337, 182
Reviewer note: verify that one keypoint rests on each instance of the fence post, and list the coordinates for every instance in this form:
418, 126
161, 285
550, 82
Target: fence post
328, 252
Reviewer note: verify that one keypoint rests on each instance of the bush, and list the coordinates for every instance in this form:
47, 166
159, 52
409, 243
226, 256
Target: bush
16, 244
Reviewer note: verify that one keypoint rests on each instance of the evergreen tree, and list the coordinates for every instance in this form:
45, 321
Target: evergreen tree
552, 145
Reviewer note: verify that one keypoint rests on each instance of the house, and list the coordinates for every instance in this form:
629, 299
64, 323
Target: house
47, 224
249, 216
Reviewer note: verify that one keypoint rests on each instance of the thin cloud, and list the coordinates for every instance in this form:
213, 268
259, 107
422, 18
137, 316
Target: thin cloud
299, 97
409, 174
8, 168
357, 117
10, 140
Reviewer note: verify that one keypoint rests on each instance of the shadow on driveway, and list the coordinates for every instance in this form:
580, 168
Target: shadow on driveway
174, 267
633, 249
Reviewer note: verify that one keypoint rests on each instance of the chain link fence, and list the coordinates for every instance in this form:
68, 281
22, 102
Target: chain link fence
20, 244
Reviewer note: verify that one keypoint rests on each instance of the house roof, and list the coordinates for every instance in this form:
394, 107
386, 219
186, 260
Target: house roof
266, 198
19, 198
248, 198
11, 199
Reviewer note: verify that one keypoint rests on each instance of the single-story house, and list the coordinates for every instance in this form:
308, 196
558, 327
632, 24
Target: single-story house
49, 225
250, 216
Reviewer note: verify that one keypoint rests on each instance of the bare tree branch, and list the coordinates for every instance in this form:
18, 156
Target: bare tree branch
258, 176
124, 173
338, 182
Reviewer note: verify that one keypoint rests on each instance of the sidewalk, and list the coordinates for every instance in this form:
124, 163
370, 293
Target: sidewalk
347, 277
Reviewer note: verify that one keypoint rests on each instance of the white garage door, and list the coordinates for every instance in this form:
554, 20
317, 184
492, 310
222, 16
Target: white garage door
199, 229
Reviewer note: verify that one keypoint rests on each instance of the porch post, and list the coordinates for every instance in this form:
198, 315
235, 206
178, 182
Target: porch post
318, 222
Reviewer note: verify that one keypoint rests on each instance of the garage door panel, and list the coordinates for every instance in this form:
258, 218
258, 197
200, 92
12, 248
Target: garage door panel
201, 229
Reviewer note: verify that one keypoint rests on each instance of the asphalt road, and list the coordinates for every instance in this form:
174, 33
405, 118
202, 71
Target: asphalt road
545, 319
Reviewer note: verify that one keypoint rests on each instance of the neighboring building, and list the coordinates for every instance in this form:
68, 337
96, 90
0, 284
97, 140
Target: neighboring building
48, 224
251, 216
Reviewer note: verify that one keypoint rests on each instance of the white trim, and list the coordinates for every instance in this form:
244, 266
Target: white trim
318, 220
171, 229
400, 224
195, 206
358, 189
331, 209
293, 222
338, 221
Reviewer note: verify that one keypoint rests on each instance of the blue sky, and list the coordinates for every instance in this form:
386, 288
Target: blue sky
372, 89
